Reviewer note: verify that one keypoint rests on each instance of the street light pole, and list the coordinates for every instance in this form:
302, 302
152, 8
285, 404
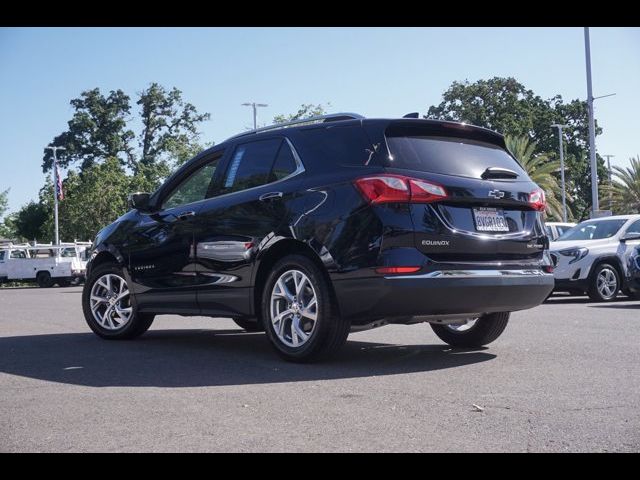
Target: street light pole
55, 188
592, 127
255, 113
564, 197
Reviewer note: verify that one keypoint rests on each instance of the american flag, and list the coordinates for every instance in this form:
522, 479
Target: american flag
59, 190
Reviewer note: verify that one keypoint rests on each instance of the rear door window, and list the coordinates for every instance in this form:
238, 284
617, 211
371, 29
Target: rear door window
284, 165
250, 165
449, 155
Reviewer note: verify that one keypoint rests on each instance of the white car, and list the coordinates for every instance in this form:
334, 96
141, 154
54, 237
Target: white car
555, 229
593, 256
46, 264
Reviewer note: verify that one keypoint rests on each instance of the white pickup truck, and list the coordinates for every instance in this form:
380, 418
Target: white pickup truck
47, 264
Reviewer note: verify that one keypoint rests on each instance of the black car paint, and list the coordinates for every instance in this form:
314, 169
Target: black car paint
208, 263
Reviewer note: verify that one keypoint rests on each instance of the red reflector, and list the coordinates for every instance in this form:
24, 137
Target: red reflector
387, 270
548, 268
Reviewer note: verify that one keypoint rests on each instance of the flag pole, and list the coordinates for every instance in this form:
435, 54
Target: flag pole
55, 189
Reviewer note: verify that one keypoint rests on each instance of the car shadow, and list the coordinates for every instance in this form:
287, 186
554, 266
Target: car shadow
626, 306
568, 299
192, 358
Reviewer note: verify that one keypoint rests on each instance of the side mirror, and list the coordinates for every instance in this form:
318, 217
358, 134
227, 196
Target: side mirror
140, 201
630, 236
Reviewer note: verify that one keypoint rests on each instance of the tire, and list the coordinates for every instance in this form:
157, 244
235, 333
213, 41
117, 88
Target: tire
484, 331
124, 326
607, 273
63, 282
248, 325
44, 280
318, 338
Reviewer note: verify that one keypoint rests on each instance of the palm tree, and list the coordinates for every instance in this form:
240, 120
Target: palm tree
540, 169
625, 188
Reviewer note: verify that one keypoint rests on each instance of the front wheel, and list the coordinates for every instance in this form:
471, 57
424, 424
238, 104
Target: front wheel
475, 332
604, 283
300, 314
107, 307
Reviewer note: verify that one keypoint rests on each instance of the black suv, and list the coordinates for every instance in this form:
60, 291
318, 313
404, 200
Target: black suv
312, 229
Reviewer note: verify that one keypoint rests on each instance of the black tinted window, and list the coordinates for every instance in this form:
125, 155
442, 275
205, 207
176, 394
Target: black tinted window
285, 164
449, 155
326, 146
250, 165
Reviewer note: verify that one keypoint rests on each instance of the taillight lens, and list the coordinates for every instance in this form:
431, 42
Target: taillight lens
537, 200
398, 188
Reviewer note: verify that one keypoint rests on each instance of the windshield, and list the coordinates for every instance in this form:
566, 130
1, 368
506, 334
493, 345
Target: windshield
593, 230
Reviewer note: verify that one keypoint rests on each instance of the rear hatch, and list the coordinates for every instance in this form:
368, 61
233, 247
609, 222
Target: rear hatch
491, 212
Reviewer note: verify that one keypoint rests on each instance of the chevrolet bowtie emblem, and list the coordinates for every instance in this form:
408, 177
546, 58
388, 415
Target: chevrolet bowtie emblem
496, 193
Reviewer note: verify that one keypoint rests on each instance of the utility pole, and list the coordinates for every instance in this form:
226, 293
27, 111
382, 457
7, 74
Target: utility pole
592, 127
55, 188
608, 157
564, 196
255, 113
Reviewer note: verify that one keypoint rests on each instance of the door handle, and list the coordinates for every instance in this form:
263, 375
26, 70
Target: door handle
185, 215
270, 196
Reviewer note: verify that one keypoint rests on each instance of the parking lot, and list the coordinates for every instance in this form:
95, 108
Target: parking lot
563, 377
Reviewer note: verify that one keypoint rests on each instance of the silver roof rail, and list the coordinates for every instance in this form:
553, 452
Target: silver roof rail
332, 117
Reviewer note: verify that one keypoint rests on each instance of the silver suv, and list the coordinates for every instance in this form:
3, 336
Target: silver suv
594, 257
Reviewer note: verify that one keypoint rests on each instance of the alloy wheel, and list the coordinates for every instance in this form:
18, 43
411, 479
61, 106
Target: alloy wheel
110, 302
293, 308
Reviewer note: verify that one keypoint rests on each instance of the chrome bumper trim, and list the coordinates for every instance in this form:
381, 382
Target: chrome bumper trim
475, 274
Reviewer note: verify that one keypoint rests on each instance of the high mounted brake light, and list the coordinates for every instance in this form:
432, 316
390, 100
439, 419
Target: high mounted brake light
399, 189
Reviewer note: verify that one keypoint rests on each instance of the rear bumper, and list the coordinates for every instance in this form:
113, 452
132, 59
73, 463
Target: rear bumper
447, 292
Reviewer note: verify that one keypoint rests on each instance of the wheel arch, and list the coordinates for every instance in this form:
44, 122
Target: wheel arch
280, 249
614, 261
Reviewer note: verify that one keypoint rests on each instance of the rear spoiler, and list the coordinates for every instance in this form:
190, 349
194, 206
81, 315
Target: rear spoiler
419, 127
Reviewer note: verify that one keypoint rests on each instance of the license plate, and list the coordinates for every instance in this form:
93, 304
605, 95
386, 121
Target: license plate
490, 220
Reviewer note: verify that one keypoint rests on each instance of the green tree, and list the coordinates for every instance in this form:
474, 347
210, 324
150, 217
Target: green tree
31, 222
100, 130
624, 193
306, 110
94, 198
541, 169
5, 224
169, 128
507, 106
97, 130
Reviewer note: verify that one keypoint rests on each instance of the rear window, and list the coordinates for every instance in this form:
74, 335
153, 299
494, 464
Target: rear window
449, 155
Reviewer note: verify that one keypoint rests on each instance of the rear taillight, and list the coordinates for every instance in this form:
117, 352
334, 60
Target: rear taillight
537, 200
398, 188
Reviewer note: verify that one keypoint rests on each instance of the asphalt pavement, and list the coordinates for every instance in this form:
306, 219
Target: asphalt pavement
564, 376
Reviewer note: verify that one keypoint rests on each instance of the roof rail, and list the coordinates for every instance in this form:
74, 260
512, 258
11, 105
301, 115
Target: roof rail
332, 117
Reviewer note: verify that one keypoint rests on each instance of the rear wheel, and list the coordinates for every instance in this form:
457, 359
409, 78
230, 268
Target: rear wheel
107, 307
474, 332
44, 279
300, 314
604, 283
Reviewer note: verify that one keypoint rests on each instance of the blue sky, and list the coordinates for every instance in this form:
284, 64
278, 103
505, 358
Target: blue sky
378, 72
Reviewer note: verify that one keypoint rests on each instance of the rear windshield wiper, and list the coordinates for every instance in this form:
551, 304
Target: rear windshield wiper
498, 172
